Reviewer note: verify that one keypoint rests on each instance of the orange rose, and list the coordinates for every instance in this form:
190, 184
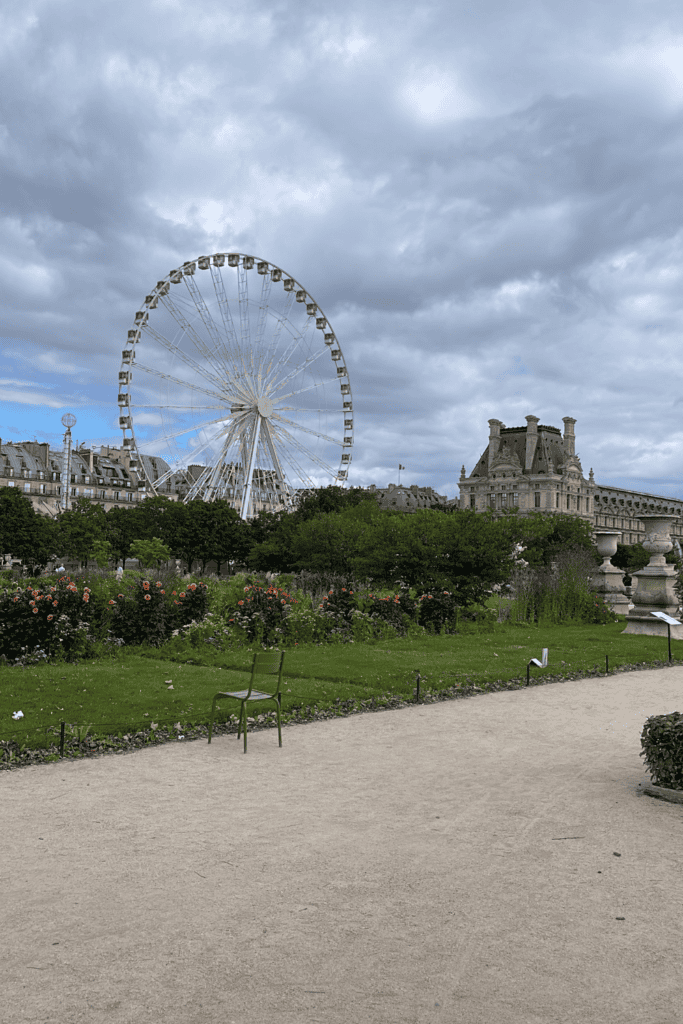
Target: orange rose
148, 597
50, 618
35, 611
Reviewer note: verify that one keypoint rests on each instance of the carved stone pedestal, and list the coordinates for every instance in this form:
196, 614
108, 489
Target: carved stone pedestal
655, 589
608, 581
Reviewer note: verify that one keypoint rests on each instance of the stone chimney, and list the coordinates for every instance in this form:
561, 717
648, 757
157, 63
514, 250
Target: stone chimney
569, 438
494, 440
531, 441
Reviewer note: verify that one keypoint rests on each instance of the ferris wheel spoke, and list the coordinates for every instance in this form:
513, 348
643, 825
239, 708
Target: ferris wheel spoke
275, 341
219, 478
314, 458
292, 461
188, 329
261, 324
268, 434
185, 430
276, 365
310, 387
206, 479
299, 340
233, 347
187, 408
174, 350
182, 383
297, 369
243, 292
179, 467
298, 426
208, 321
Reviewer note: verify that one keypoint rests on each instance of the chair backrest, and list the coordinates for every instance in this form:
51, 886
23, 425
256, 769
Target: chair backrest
267, 663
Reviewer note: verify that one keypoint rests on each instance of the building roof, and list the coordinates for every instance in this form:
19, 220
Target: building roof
548, 458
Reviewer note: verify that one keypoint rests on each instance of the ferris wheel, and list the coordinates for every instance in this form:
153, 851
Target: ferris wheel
237, 381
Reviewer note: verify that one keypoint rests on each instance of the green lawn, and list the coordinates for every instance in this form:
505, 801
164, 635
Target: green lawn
127, 694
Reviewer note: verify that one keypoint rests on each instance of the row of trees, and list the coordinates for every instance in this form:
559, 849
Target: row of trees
155, 529
332, 531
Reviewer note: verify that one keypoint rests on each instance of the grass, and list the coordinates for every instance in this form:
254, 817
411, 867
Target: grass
130, 695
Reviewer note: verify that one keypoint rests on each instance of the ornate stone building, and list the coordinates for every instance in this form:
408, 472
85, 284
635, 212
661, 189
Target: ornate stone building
536, 469
100, 474
408, 499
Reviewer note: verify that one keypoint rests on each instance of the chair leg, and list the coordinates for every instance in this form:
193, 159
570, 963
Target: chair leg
213, 708
245, 728
279, 731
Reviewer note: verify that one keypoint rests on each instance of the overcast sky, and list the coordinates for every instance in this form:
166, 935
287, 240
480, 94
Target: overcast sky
484, 199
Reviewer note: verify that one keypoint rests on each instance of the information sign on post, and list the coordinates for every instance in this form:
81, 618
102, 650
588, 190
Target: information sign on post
669, 623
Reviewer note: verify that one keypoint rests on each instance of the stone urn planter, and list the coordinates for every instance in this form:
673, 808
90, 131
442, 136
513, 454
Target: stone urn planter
608, 581
655, 588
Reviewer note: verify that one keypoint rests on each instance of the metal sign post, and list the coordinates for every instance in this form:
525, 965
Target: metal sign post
669, 623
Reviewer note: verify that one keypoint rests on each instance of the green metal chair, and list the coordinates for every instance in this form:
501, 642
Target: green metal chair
265, 663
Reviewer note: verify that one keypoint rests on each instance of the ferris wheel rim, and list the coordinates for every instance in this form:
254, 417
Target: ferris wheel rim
244, 396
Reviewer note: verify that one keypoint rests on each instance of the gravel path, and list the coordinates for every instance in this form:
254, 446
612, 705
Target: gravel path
471, 860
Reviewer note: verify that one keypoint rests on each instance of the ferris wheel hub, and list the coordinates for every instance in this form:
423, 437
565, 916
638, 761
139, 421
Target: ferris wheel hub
265, 406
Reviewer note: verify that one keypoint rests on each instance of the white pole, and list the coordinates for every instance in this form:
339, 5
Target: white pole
66, 470
252, 460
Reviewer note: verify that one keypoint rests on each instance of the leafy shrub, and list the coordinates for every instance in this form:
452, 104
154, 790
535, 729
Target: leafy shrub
438, 611
40, 623
304, 626
339, 604
399, 610
368, 628
139, 614
598, 612
562, 592
145, 614
262, 613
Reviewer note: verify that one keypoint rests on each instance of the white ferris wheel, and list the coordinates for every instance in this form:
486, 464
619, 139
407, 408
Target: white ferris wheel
237, 381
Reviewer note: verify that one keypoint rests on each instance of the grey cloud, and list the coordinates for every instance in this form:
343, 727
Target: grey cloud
465, 191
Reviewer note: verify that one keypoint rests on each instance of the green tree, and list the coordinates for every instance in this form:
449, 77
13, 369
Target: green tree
150, 552
630, 557
121, 530
101, 553
227, 536
545, 535
324, 500
23, 532
272, 534
154, 518
79, 528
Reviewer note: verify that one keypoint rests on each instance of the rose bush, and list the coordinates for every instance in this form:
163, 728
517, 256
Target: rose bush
262, 613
